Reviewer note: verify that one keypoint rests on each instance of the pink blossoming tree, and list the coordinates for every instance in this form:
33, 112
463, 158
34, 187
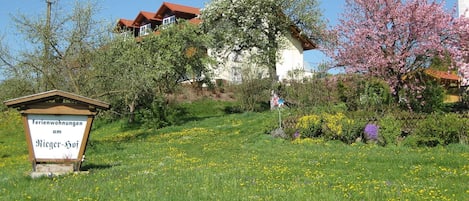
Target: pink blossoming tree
462, 45
394, 40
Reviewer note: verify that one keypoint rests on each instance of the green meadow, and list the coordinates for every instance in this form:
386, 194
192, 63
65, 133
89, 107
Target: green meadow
218, 156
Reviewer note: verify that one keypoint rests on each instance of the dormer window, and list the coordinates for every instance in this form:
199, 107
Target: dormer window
145, 29
169, 20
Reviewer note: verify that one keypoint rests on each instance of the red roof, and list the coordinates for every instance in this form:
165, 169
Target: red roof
148, 15
191, 13
126, 22
141, 15
176, 8
182, 8
442, 74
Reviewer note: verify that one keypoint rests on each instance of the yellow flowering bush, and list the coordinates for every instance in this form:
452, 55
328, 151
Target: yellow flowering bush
309, 126
329, 126
306, 121
332, 127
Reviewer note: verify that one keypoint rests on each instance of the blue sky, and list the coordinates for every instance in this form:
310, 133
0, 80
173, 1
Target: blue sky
111, 10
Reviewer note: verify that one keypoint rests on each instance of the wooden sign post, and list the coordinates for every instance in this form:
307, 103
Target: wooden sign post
57, 125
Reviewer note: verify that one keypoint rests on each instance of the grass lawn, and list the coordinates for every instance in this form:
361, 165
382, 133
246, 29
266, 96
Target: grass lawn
230, 157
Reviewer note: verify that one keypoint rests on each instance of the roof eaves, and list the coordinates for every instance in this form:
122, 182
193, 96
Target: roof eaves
306, 43
442, 74
181, 8
50, 95
126, 22
143, 14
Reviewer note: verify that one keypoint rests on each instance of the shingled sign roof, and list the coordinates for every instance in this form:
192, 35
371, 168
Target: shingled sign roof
55, 95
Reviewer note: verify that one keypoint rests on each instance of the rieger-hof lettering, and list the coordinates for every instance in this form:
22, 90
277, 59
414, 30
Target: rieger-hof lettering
53, 145
56, 136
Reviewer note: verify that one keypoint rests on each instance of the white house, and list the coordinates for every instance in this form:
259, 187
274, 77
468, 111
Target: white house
463, 6
232, 66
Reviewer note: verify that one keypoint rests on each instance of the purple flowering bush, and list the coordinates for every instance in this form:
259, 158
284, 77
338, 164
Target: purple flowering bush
371, 132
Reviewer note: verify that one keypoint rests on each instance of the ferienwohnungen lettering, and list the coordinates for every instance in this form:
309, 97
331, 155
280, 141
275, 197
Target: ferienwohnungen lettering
56, 123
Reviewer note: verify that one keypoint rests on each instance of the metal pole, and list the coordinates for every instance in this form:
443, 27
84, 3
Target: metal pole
279, 118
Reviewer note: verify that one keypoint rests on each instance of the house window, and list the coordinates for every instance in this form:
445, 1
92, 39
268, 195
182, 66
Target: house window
145, 29
169, 20
236, 76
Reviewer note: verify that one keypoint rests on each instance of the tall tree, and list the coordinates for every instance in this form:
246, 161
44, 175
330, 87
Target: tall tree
131, 72
121, 74
58, 46
180, 54
462, 55
394, 39
254, 26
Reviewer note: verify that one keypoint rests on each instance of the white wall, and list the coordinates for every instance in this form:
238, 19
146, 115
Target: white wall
290, 57
232, 67
463, 5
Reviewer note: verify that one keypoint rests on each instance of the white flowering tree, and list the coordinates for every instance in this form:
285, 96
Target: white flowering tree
254, 26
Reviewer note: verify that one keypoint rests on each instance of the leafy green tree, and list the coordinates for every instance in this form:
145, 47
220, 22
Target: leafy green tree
120, 74
131, 73
179, 52
254, 26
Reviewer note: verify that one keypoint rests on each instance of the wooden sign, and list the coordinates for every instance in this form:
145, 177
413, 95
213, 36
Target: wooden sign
56, 137
57, 125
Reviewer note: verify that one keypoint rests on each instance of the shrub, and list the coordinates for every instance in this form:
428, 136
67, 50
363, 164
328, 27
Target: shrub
336, 108
332, 126
352, 129
452, 128
340, 127
374, 95
431, 99
329, 126
309, 126
363, 93
254, 94
161, 114
347, 91
390, 129
300, 93
411, 141
426, 132
441, 129
10, 123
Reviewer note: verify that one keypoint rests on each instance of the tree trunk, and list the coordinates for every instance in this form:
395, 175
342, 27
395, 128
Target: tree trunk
272, 60
131, 112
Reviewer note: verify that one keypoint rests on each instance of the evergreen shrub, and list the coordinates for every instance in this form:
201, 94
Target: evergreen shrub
161, 114
390, 130
441, 129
